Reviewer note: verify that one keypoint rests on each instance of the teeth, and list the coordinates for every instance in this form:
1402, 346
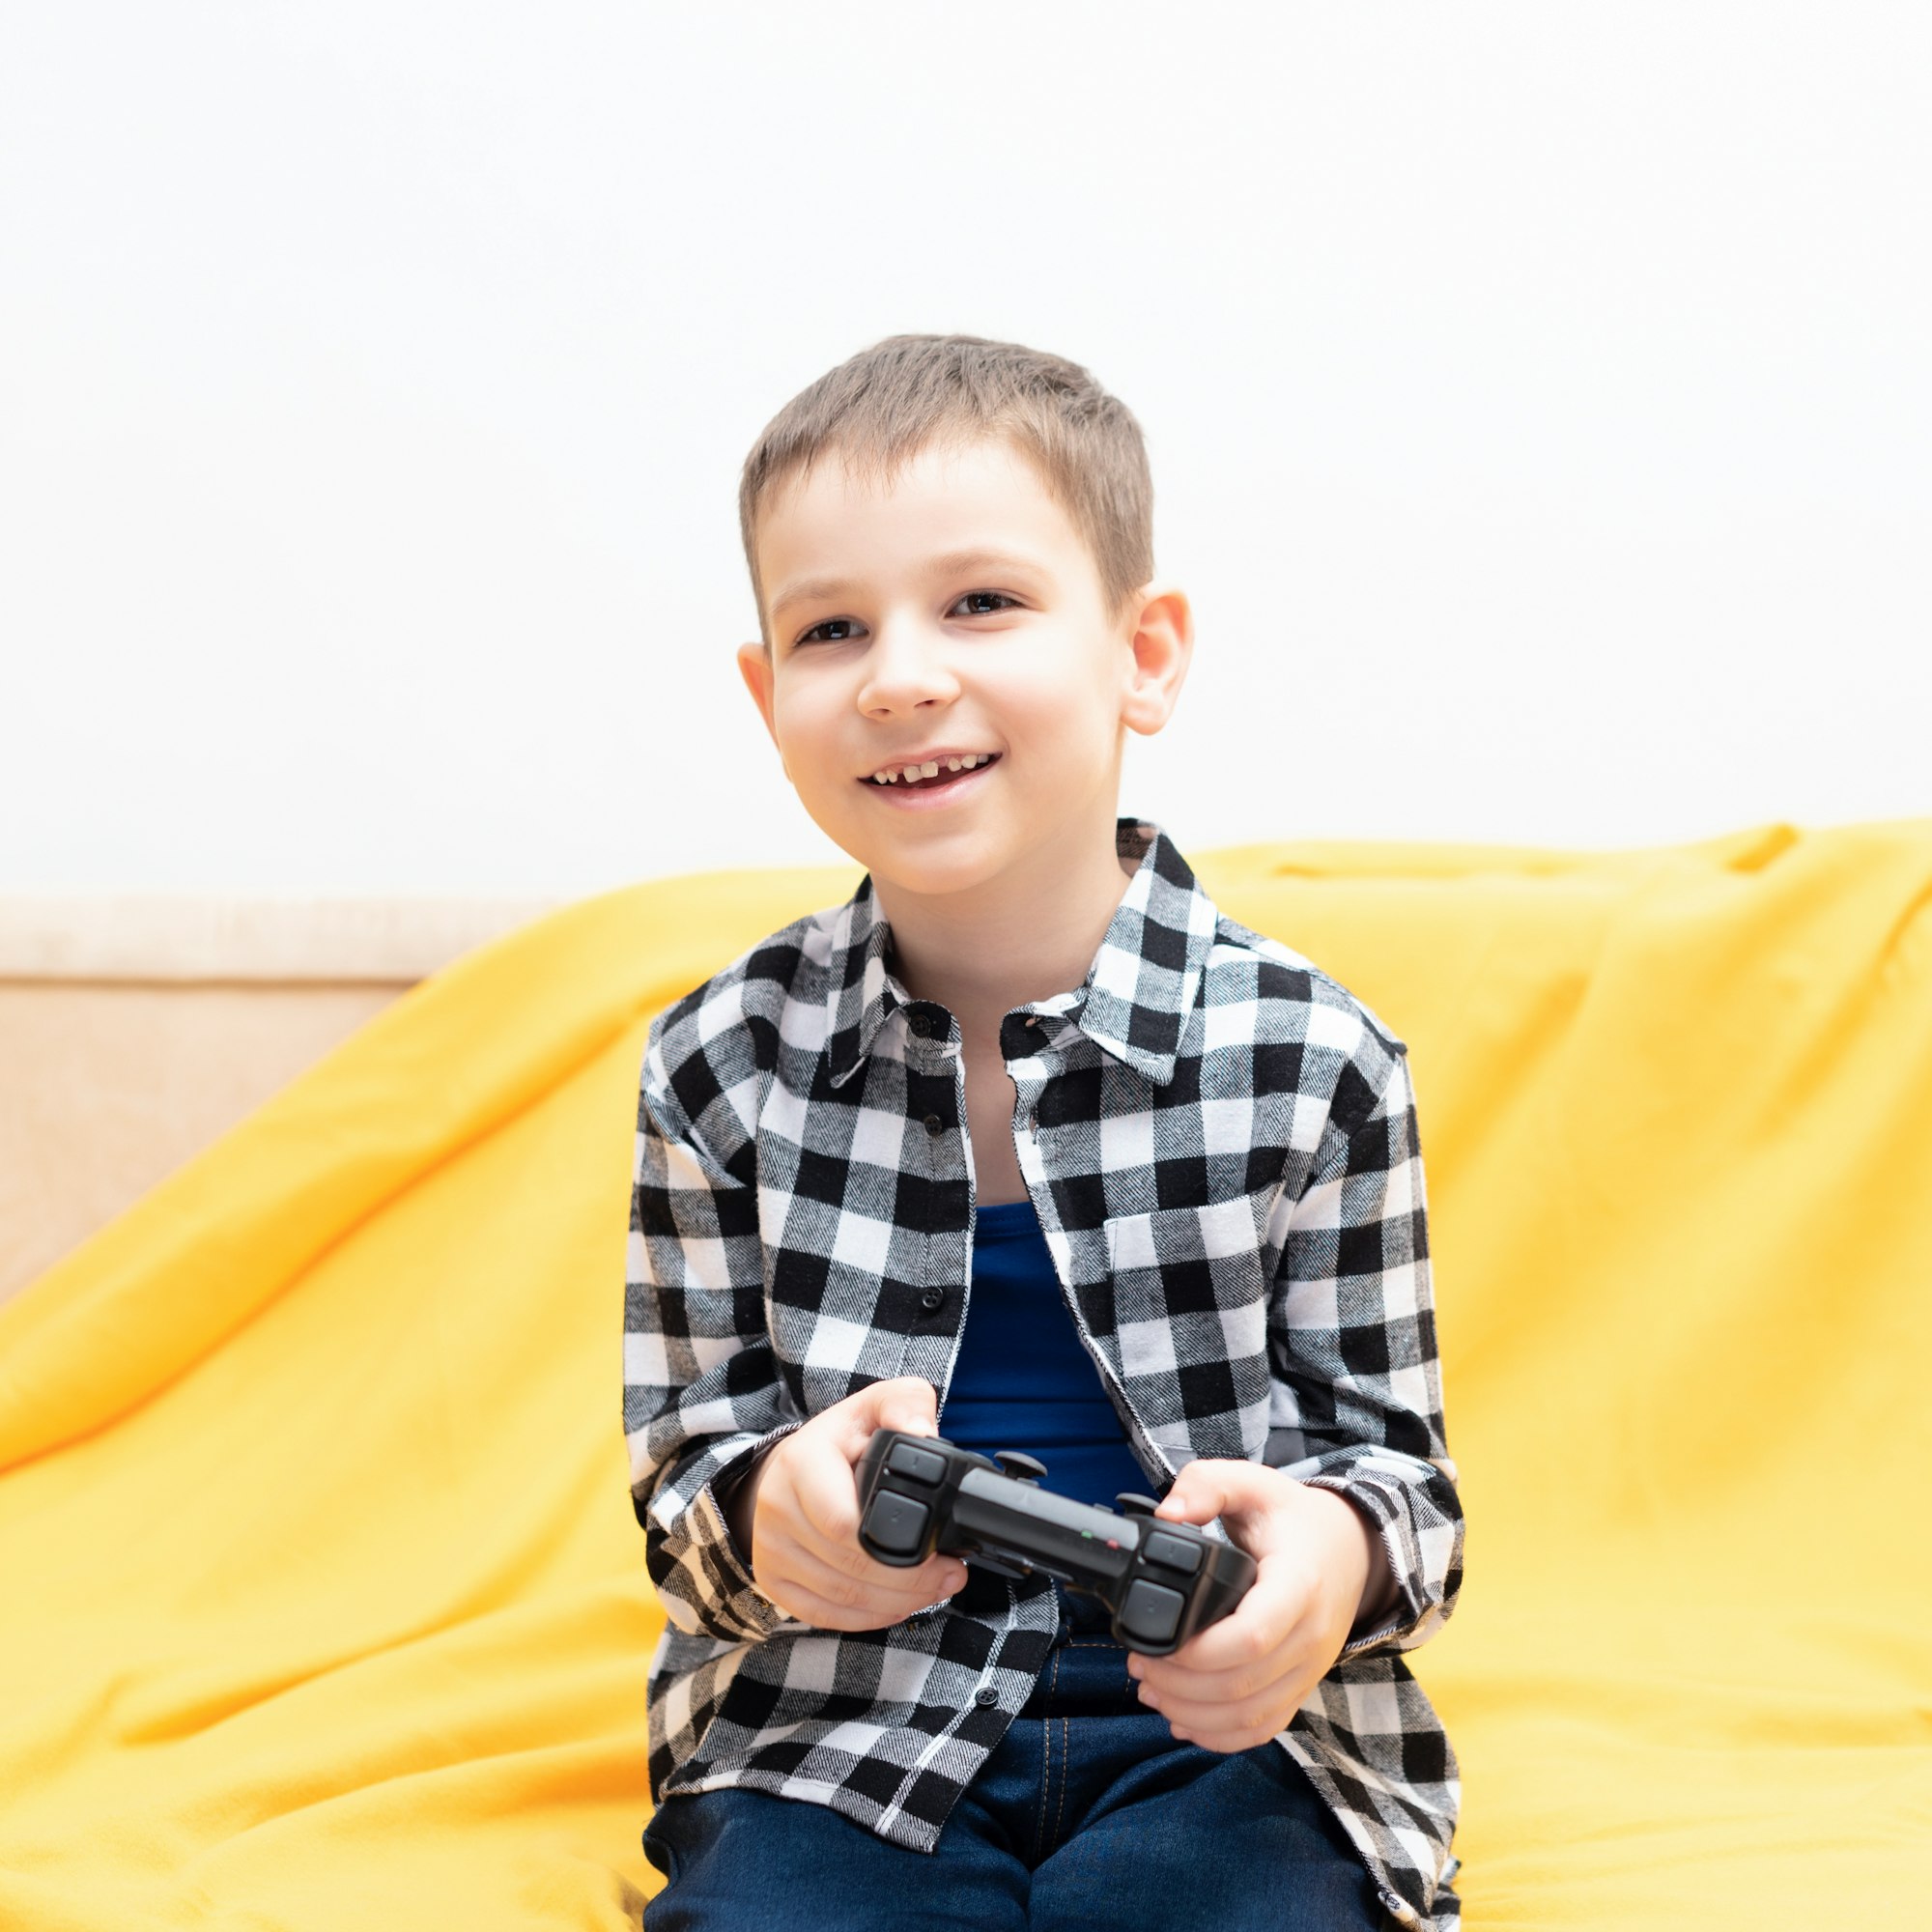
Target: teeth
930, 768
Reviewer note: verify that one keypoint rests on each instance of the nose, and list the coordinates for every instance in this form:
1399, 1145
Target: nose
907, 665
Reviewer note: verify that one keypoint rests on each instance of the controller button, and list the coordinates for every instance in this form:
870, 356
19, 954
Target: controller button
921, 1464
1171, 1552
896, 1523
1151, 1611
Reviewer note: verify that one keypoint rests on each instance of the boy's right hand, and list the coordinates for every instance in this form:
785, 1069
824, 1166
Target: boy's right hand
801, 1507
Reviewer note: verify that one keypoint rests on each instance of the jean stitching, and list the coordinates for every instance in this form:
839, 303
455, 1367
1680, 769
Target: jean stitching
1066, 1778
1046, 1764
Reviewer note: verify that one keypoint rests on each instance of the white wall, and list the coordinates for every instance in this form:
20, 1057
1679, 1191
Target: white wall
1538, 398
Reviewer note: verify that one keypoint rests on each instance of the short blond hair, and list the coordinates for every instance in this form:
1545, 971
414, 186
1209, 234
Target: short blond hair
882, 407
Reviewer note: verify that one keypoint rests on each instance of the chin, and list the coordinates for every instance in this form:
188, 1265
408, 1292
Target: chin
949, 864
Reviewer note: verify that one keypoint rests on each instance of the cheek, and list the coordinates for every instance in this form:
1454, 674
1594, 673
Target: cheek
807, 735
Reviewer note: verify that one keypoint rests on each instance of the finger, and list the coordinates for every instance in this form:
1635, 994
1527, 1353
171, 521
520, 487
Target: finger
1267, 1707
1217, 1722
824, 1500
1190, 1694
795, 1601
846, 1556
825, 1454
937, 1577
867, 1610
1266, 1618
1269, 1622
906, 1403
1213, 1486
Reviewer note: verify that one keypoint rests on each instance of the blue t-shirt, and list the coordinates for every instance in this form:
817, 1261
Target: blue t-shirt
1023, 1379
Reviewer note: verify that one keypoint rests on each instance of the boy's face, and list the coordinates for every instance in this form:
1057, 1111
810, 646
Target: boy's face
959, 610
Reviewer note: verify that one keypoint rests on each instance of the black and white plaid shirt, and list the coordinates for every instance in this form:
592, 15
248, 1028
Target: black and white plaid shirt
1220, 1144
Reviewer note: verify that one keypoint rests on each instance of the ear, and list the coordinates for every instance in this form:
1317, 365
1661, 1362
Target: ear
1161, 639
756, 669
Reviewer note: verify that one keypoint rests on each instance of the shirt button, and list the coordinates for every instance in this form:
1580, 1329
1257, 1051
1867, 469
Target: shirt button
933, 1298
986, 1694
934, 1125
919, 1025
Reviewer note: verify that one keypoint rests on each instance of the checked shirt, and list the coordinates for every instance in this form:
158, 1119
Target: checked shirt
1220, 1144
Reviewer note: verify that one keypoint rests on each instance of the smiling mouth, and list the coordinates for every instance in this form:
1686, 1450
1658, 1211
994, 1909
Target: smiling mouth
937, 782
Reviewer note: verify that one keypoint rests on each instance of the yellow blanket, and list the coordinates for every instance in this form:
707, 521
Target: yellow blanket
324, 1602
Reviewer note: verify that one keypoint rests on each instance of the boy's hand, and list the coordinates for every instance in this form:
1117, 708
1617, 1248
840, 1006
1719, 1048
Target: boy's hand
1236, 1684
801, 1505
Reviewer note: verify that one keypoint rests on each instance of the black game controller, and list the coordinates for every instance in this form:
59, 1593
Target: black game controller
1163, 1582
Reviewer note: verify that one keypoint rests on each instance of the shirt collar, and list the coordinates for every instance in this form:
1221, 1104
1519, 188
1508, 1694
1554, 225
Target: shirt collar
1134, 1002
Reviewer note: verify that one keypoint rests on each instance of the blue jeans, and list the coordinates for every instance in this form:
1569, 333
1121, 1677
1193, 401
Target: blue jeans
1088, 1815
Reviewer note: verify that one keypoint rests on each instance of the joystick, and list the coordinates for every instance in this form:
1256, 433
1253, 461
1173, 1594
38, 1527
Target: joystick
1163, 1582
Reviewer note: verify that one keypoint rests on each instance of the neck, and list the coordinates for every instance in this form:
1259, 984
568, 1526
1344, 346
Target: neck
981, 960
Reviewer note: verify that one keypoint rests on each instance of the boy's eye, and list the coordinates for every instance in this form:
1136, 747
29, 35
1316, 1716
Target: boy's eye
829, 624
999, 597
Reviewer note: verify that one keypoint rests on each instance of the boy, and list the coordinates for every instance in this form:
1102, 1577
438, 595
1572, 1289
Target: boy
1029, 1146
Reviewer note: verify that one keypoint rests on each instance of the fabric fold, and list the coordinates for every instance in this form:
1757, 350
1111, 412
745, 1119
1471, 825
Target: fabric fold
327, 1605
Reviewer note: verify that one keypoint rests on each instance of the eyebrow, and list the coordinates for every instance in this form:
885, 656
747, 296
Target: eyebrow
808, 590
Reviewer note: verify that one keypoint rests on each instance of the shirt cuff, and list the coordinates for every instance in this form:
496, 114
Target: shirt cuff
1383, 1611
703, 1579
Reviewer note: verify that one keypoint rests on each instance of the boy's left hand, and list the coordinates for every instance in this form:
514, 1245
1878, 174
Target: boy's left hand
1236, 1684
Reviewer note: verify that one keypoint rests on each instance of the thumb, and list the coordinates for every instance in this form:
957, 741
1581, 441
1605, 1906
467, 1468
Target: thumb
1213, 1486
906, 1403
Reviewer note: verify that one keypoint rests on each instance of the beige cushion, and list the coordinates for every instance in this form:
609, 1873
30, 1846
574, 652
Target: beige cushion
136, 1030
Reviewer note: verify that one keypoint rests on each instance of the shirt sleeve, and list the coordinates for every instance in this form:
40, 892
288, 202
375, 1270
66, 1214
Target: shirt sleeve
1357, 1382
703, 1396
